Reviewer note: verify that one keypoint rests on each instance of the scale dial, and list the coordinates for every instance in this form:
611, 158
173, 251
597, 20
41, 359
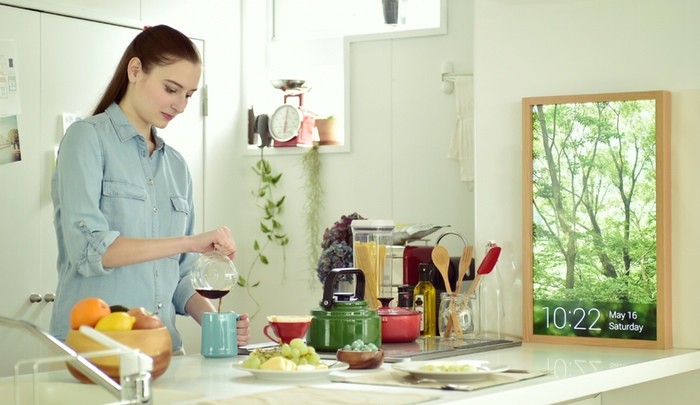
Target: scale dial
285, 122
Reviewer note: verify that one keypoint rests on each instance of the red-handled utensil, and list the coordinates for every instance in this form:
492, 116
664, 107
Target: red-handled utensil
485, 267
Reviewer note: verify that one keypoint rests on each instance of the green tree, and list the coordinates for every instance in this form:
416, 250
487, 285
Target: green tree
594, 201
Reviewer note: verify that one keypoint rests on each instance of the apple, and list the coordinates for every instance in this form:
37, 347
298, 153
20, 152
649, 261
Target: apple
144, 319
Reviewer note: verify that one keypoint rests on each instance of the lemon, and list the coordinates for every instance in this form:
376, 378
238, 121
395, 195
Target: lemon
116, 321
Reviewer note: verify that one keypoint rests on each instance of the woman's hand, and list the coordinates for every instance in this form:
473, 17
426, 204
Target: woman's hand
220, 240
243, 329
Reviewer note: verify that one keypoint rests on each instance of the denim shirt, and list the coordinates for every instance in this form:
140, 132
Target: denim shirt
106, 185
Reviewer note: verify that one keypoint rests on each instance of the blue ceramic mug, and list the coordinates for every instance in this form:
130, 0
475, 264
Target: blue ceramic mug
219, 338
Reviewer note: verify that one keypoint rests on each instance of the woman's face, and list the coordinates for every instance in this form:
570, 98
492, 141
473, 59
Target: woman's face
161, 94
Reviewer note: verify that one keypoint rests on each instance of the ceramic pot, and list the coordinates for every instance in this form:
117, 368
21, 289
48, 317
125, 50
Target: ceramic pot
399, 325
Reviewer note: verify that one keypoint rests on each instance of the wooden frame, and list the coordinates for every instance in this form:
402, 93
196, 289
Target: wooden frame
597, 219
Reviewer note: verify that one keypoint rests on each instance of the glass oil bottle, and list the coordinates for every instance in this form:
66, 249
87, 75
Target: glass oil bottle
424, 296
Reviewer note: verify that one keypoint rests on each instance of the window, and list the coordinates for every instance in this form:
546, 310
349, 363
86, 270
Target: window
304, 40
337, 18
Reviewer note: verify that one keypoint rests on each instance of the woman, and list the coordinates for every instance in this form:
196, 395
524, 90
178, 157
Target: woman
123, 207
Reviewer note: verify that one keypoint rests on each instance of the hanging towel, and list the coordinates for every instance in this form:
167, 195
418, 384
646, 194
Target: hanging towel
462, 142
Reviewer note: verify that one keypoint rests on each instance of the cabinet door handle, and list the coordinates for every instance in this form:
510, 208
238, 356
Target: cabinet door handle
35, 298
49, 297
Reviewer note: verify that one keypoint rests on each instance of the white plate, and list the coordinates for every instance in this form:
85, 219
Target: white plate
297, 375
483, 370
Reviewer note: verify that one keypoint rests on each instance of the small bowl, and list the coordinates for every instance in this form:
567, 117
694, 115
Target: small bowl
361, 360
154, 342
287, 84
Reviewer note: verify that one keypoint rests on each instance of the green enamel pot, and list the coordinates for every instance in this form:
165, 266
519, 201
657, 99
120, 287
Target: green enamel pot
341, 318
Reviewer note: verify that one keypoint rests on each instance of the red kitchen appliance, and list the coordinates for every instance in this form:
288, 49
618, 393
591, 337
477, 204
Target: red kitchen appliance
413, 256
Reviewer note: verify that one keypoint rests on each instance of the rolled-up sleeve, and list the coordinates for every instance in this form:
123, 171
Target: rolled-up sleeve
83, 228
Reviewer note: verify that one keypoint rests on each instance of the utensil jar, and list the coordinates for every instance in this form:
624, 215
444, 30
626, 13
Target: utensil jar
462, 310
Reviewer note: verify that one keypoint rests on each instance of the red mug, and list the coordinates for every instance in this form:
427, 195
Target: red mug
284, 329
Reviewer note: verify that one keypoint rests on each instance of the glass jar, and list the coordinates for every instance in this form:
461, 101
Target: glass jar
371, 252
490, 298
461, 309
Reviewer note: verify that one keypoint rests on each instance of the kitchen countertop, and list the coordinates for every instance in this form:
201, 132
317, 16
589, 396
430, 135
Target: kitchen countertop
575, 372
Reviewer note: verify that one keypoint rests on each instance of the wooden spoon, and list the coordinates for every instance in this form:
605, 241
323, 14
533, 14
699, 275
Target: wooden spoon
441, 259
464, 264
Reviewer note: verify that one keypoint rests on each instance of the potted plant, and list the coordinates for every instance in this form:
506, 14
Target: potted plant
270, 224
313, 205
336, 247
326, 128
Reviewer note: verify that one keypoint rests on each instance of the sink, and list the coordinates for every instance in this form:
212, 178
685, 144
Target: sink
65, 393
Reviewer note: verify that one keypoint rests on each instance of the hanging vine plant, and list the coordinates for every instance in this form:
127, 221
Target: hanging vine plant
311, 164
270, 225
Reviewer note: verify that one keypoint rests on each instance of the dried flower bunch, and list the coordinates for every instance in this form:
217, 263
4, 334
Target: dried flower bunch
337, 246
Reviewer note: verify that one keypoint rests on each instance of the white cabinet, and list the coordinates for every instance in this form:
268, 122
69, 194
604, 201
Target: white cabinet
19, 220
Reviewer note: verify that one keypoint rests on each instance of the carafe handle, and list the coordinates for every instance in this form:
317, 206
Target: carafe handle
327, 301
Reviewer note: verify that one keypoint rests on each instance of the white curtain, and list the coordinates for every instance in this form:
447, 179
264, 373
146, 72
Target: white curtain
462, 141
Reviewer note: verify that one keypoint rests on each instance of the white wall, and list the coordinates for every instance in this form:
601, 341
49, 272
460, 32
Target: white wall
401, 123
540, 47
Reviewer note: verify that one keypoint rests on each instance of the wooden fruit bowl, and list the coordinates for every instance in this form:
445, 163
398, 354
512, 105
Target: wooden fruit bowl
155, 343
361, 360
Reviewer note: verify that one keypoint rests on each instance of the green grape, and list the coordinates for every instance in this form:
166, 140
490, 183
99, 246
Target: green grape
314, 359
297, 343
285, 350
296, 351
254, 362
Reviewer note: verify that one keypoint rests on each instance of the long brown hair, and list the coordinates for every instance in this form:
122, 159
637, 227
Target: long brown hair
159, 45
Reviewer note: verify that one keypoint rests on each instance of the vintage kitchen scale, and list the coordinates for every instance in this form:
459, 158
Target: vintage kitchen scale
291, 125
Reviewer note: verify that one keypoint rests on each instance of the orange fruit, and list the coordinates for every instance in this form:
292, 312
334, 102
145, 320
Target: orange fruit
88, 312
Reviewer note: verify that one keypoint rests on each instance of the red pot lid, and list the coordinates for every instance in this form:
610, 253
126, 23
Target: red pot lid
393, 311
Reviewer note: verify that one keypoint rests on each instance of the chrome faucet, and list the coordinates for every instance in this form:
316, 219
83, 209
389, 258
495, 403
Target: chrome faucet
135, 388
